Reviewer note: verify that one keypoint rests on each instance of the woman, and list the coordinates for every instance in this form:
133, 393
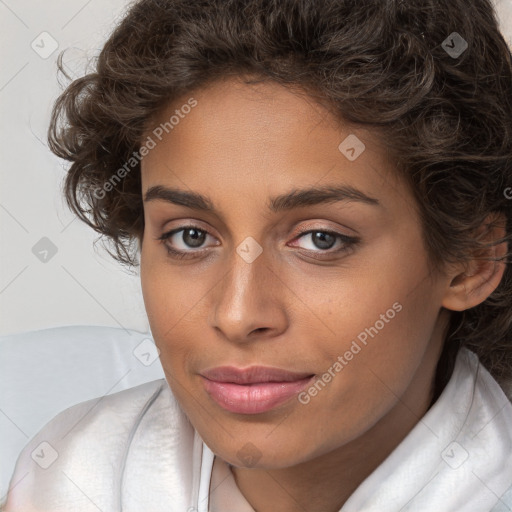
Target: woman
319, 195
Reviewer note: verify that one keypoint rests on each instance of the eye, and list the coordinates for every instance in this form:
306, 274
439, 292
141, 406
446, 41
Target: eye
191, 237
321, 241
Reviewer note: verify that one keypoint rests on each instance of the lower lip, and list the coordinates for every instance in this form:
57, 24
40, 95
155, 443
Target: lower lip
253, 398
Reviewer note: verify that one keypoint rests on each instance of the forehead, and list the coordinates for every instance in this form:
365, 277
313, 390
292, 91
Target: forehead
241, 136
233, 115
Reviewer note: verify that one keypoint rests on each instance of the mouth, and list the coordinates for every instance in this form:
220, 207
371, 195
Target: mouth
253, 390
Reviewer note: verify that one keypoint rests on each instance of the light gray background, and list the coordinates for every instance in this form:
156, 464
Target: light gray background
79, 285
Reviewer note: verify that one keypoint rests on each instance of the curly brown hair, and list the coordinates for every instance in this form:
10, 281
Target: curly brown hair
445, 118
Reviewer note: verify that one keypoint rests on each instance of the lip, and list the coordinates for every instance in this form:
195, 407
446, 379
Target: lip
252, 390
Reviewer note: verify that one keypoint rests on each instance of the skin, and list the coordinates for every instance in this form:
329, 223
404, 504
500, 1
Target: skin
291, 308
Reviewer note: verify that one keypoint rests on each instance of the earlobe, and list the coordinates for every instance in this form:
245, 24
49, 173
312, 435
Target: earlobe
480, 278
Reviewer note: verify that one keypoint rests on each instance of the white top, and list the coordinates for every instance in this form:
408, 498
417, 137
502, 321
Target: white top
135, 451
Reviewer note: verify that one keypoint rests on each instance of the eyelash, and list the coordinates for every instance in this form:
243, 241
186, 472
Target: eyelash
349, 241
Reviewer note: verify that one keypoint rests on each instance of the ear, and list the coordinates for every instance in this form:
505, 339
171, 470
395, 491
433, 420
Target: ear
480, 276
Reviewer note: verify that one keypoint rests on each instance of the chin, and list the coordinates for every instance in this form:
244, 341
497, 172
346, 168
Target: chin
264, 454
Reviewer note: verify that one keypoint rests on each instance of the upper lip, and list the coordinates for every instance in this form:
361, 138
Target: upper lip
252, 374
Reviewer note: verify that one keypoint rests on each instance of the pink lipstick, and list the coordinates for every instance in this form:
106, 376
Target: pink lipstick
252, 390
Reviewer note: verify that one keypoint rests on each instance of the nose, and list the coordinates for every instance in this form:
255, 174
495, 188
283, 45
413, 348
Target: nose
250, 301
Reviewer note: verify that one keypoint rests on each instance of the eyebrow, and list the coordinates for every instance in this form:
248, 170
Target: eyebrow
296, 198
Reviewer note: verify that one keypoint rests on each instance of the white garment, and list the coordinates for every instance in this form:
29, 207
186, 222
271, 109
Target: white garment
136, 451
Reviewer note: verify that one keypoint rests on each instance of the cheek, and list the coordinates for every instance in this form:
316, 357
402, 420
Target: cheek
380, 323
384, 298
381, 345
176, 305
166, 295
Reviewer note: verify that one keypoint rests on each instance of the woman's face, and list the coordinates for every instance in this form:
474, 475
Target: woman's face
304, 255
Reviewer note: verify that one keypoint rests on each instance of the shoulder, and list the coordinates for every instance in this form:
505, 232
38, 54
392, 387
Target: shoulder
481, 452
76, 459
86, 419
